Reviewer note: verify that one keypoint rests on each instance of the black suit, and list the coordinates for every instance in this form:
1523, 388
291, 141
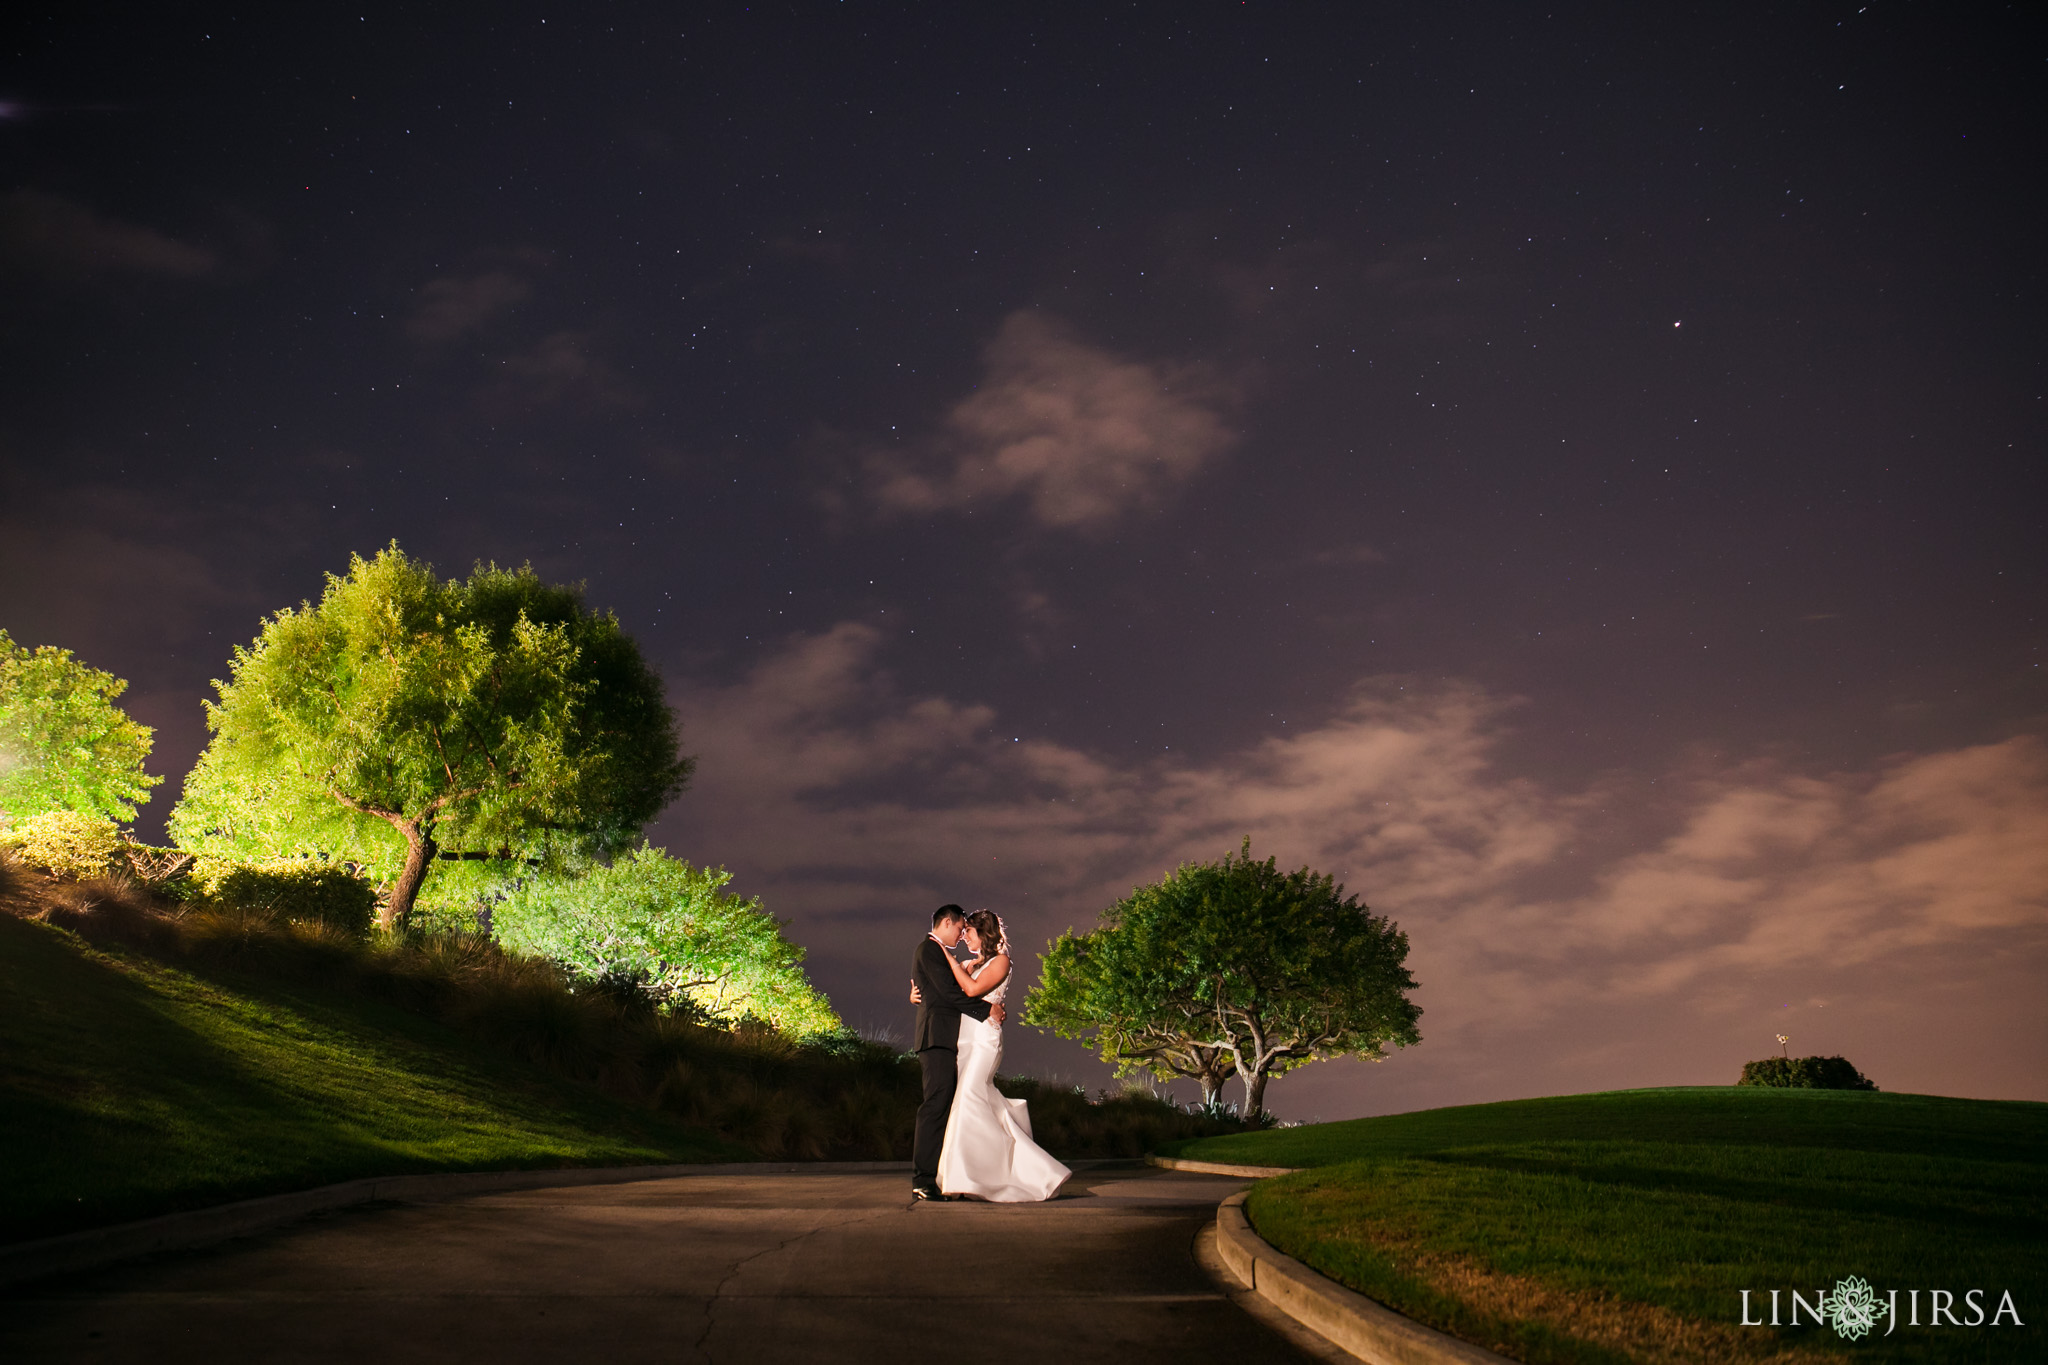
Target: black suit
941, 1004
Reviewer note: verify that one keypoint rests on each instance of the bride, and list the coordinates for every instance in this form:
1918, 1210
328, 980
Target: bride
988, 1152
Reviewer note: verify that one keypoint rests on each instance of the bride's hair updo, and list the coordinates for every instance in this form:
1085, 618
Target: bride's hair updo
991, 930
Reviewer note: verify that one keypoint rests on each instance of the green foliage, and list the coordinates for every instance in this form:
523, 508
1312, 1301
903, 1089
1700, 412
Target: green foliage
1135, 1023
293, 890
64, 745
403, 714
67, 842
1805, 1073
657, 921
1231, 966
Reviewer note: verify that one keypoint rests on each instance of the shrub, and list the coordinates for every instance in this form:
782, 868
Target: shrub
667, 930
67, 842
1805, 1073
106, 910
162, 868
294, 890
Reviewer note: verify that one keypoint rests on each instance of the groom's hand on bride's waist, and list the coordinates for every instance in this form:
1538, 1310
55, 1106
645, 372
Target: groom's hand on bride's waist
995, 1012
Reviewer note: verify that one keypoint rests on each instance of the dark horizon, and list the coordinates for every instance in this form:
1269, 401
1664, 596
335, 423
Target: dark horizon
1576, 478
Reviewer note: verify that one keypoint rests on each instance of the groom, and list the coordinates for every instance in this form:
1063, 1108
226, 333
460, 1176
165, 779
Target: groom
940, 1003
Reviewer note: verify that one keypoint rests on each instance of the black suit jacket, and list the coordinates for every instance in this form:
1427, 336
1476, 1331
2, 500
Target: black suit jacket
938, 1017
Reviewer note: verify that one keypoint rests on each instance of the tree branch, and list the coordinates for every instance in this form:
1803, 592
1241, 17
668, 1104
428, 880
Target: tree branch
447, 770
445, 798
365, 808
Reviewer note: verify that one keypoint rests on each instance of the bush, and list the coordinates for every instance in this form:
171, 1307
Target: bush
1805, 1073
113, 909
294, 890
67, 842
162, 868
658, 927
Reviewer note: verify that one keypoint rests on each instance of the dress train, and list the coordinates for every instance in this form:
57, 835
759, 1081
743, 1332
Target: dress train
988, 1151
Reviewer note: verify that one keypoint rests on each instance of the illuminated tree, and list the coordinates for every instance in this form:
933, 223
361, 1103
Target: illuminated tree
1234, 959
403, 715
64, 745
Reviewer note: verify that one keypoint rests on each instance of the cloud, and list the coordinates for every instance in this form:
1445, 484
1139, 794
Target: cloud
563, 367
927, 790
1079, 433
1565, 938
55, 238
455, 305
1773, 868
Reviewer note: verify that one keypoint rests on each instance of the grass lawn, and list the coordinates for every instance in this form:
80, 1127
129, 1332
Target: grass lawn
129, 1087
1623, 1226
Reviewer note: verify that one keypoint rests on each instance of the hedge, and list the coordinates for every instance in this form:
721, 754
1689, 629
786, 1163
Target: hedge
294, 889
1805, 1073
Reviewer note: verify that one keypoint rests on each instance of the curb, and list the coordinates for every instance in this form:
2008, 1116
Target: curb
1174, 1163
97, 1247
1369, 1330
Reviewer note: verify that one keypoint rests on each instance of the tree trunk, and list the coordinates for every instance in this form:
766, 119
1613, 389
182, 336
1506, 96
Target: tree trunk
1255, 1093
1212, 1084
420, 849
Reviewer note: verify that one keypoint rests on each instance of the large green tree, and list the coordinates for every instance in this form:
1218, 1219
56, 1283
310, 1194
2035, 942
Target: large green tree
404, 717
64, 744
1235, 959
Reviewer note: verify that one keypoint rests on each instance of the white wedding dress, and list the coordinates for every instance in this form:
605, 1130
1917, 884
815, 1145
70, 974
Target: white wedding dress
988, 1152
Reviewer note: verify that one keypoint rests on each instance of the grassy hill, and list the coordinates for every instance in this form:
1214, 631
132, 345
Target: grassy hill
1623, 1226
130, 1087
157, 1055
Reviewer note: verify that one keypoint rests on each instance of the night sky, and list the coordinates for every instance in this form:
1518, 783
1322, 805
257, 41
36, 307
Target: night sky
1577, 476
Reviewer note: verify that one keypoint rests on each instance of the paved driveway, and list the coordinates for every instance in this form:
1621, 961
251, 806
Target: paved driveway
819, 1267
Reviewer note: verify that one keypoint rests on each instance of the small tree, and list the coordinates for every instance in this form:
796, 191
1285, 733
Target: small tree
403, 714
658, 921
64, 745
1805, 1073
1274, 970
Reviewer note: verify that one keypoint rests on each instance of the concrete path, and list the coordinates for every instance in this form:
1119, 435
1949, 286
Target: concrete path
817, 1267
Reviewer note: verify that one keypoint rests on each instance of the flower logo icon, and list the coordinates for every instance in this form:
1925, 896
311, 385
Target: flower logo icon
1853, 1308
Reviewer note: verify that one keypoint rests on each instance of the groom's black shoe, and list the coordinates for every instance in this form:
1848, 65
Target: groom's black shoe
926, 1189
